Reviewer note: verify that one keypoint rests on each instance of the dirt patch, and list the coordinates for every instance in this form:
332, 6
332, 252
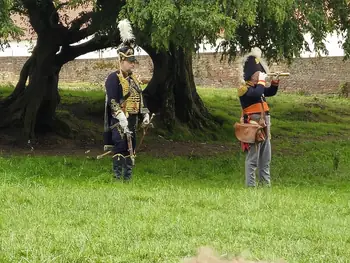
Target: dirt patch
52, 145
207, 255
160, 147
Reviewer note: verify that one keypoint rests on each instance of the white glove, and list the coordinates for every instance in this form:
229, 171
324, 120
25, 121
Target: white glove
122, 121
145, 119
262, 76
107, 148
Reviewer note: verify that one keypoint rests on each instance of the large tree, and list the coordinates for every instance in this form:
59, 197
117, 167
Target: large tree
32, 104
170, 32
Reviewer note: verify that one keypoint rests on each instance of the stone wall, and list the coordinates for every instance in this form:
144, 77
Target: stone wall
308, 74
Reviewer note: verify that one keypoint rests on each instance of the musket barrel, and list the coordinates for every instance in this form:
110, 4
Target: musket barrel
282, 74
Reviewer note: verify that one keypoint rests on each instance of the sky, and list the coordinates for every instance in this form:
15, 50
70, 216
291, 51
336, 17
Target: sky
23, 49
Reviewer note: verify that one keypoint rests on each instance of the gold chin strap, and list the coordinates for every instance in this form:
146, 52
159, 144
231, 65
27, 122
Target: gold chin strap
125, 55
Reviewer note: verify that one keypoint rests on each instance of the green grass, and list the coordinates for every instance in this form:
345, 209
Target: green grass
292, 115
68, 209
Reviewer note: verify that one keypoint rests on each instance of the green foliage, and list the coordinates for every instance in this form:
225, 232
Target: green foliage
96, 18
7, 28
181, 23
278, 27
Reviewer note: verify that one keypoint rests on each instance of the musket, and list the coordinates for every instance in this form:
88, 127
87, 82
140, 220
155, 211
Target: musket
278, 74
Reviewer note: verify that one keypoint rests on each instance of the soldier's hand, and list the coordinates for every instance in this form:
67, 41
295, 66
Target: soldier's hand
275, 79
123, 122
262, 76
124, 125
276, 76
107, 148
145, 121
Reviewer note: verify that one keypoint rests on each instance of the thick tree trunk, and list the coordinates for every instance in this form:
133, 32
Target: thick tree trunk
32, 104
172, 90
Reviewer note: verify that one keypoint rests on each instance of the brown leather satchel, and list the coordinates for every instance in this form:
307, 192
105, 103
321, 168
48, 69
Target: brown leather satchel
253, 132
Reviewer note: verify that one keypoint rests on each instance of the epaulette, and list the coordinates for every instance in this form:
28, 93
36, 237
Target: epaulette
242, 90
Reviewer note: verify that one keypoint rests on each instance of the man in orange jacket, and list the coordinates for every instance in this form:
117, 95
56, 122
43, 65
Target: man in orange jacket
252, 98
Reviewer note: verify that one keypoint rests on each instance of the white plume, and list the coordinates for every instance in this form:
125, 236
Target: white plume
255, 52
125, 30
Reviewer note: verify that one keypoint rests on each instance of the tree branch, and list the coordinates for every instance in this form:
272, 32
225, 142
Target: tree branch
43, 16
69, 53
34, 14
77, 23
76, 33
77, 36
103, 17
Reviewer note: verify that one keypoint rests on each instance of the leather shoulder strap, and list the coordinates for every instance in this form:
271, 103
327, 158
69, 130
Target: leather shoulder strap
262, 115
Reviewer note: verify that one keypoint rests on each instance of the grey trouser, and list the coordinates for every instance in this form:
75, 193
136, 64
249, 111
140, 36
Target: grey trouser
118, 166
259, 156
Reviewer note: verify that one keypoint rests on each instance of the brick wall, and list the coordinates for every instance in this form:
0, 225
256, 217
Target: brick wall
310, 74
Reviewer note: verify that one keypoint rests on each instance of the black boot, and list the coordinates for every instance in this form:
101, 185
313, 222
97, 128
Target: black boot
127, 169
117, 167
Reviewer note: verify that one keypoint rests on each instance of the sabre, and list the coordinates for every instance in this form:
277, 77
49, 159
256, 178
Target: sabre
145, 128
130, 149
102, 155
128, 134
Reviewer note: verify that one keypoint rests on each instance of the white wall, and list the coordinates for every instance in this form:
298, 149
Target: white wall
17, 49
333, 44
24, 48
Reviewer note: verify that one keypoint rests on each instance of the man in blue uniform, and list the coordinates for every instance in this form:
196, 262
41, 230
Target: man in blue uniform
124, 109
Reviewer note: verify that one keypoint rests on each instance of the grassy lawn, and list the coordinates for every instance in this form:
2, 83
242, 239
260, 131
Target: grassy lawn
68, 208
